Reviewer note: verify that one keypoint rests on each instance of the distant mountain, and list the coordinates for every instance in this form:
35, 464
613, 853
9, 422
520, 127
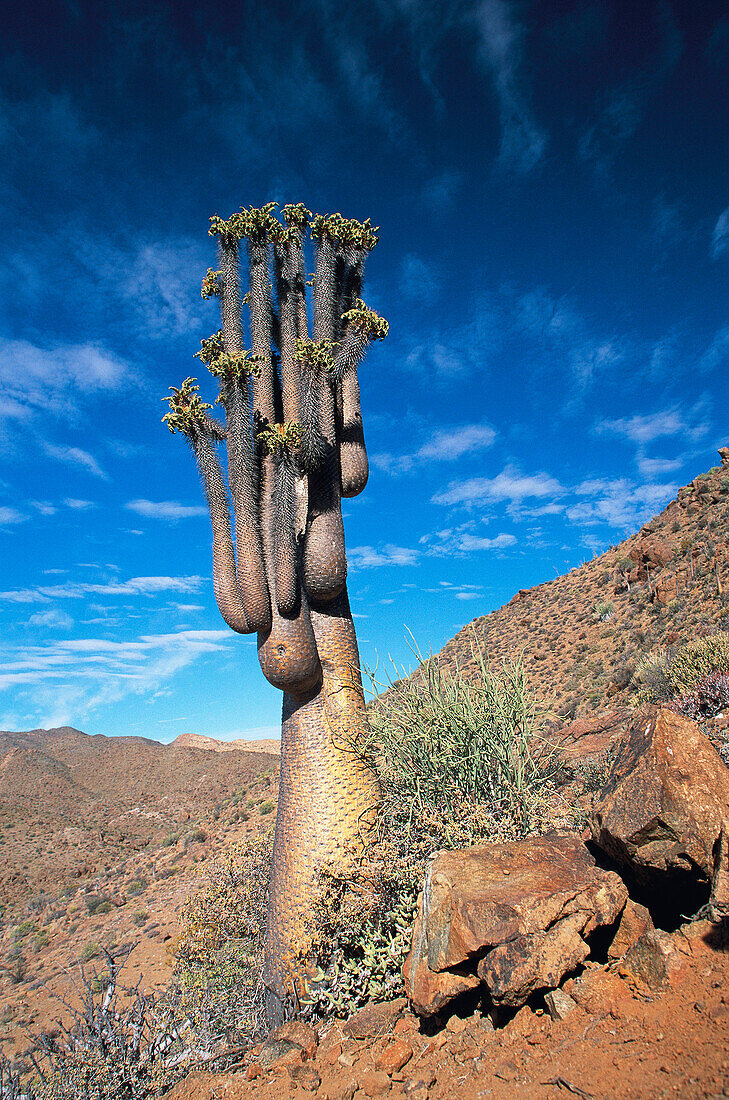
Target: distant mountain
71, 803
199, 741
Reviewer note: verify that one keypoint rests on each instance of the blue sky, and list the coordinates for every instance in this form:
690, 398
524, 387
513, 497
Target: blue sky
552, 189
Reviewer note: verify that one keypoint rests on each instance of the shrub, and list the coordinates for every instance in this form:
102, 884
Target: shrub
697, 660
219, 948
651, 673
450, 749
266, 808
116, 1048
603, 611
90, 951
709, 698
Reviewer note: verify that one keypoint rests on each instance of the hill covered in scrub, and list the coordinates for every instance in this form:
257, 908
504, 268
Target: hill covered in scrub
584, 635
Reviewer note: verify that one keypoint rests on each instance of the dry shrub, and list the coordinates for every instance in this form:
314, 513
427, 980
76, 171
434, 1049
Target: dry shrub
218, 951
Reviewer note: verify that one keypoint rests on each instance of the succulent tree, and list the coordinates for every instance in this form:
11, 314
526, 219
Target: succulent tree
295, 446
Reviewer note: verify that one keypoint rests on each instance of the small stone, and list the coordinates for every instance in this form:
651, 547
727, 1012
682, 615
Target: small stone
347, 1059
559, 1004
374, 1020
255, 1069
374, 1082
634, 921
652, 959
393, 1056
345, 1090
417, 1087
305, 1077
456, 1025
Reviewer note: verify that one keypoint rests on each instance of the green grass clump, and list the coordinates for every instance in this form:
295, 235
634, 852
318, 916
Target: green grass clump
451, 749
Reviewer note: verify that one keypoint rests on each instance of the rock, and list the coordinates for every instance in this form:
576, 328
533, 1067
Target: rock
374, 1020
590, 737
374, 1082
724, 455
305, 1077
291, 1043
393, 1056
559, 1004
514, 970
417, 1087
634, 921
523, 908
652, 959
665, 798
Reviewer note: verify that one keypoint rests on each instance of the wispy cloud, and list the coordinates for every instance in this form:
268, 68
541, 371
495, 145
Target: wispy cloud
10, 516
54, 379
75, 456
645, 429
446, 445
370, 557
462, 540
556, 324
618, 503
720, 236
165, 509
52, 620
509, 485
70, 679
419, 280
135, 586
501, 46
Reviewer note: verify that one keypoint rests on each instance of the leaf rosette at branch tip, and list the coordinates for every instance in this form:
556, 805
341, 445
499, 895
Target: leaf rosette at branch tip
211, 284
345, 231
187, 409
296, 215
224, 366
279, 439
317, 354
362, 319
255, 222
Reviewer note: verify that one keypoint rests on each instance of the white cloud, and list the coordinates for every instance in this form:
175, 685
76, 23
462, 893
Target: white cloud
367, 557
44, 507
54, 620
459, 541
717, 353
501, 47
657, 467
53, 379
644, 429
446, 445
135, 586
165, 509
720, 236
72, 678
510, 484
79, 505
74, 456
10, 516
619, 502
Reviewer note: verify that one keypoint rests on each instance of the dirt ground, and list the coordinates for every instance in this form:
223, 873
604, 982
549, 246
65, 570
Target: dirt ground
622, 1040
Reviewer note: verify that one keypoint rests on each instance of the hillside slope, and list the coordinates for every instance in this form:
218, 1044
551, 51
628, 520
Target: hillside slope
583, 634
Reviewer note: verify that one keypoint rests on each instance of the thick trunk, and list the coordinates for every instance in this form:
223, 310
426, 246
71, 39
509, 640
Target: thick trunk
327, 800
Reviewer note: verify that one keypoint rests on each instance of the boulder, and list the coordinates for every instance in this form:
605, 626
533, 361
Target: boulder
584, 739
666, 796
724, 455
514, 915
652, 959
634, 921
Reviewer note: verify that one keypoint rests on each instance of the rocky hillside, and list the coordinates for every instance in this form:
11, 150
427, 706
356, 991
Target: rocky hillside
72, 805
582, 635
